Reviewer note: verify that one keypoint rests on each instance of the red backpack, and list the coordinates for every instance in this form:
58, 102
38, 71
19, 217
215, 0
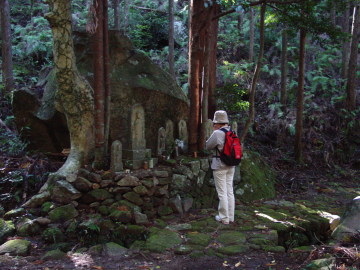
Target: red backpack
232, 152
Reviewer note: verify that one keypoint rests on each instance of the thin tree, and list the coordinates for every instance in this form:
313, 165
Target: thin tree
284, 68
171, 38
300, 98
256, 74
116, 14
99, 88
126, 11
251, 34
7, 63
351, 79
346, 43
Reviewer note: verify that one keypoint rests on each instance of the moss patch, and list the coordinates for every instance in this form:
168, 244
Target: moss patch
162, 240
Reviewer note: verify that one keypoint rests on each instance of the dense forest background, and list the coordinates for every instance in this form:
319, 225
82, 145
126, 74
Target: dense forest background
252, 52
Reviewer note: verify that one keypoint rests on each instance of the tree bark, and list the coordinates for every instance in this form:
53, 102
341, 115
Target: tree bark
351, 81
7, 63
346, 43
99, 87
214, 29
116, 14
126, 12
300, 98
171, 38
106, 79
74, 96
256, 75
251, 35
195, 56
284, 68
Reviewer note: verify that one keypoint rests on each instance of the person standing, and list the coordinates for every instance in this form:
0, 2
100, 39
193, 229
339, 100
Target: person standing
223, 174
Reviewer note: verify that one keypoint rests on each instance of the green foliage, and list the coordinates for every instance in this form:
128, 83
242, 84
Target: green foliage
53, 235
150, 31
231, 98
10, 143
33, 41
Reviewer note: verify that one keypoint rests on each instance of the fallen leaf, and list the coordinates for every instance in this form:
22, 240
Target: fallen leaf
38, 262
98, 267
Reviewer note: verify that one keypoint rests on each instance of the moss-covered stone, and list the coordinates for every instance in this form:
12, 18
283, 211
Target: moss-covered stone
63, 213
114, 250
14, 213
121, 216
183, 250
52, 235
134, 198
7, 228
257, 179
273, 248
47, 206
196, 238
100, 194
27, 227
137, 245
56, 254
164, 210
228, 238
104, 210
233, 249
162, 240
17, 247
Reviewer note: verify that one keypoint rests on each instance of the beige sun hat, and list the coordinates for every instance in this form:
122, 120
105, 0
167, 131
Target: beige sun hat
220, 117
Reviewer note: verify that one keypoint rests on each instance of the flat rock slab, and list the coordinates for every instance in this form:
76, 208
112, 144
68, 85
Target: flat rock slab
17, 247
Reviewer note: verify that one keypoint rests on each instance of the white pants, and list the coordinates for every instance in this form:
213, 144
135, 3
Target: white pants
224, 187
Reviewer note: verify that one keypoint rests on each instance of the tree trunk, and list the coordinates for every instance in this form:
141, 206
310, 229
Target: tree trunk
171, 38
126, 11
195, 70
284, 68
346, 44
300, 98
214, 29
99, 87
251, 35
116, 14
256, 75
106, 79
74, 96
351, 81
7, 63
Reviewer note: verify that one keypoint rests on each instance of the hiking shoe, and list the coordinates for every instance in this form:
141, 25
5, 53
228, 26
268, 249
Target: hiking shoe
217, 218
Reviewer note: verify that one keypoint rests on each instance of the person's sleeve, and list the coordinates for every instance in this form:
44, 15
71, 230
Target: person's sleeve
212, 142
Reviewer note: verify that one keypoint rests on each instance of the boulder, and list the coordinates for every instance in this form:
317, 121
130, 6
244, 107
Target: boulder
18, 212
134, 79
16, 247
63, 213
7, 228
349, 222
114, 250
64, 192
37, 200
82, 184
27, 227
56, 254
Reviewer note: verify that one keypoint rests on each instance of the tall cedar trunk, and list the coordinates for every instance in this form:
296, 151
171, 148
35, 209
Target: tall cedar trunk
256, 75
126, 11
196, 9
214, 29
7, 63
74, 96
106, 78
346, 43
284, 68
171, 38
251, 34
300, 98
116, 14
99, 87
351, 81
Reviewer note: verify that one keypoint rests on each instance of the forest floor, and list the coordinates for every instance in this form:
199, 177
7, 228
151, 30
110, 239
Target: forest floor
333, 187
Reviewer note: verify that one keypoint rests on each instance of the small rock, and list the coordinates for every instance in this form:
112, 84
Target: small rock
42, 221
140, 218
134, 198
164, 210
37, 200
163, 174
17, 247
14, 213
106, 183
187, 204
63, 213
94, 177
114, 250
141, 190
176, 205
82, 184
56, 254
129, 181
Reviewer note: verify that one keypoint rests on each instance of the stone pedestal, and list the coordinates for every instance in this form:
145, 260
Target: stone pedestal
134, 159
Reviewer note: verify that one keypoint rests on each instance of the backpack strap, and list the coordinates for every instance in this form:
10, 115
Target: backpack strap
217, 149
